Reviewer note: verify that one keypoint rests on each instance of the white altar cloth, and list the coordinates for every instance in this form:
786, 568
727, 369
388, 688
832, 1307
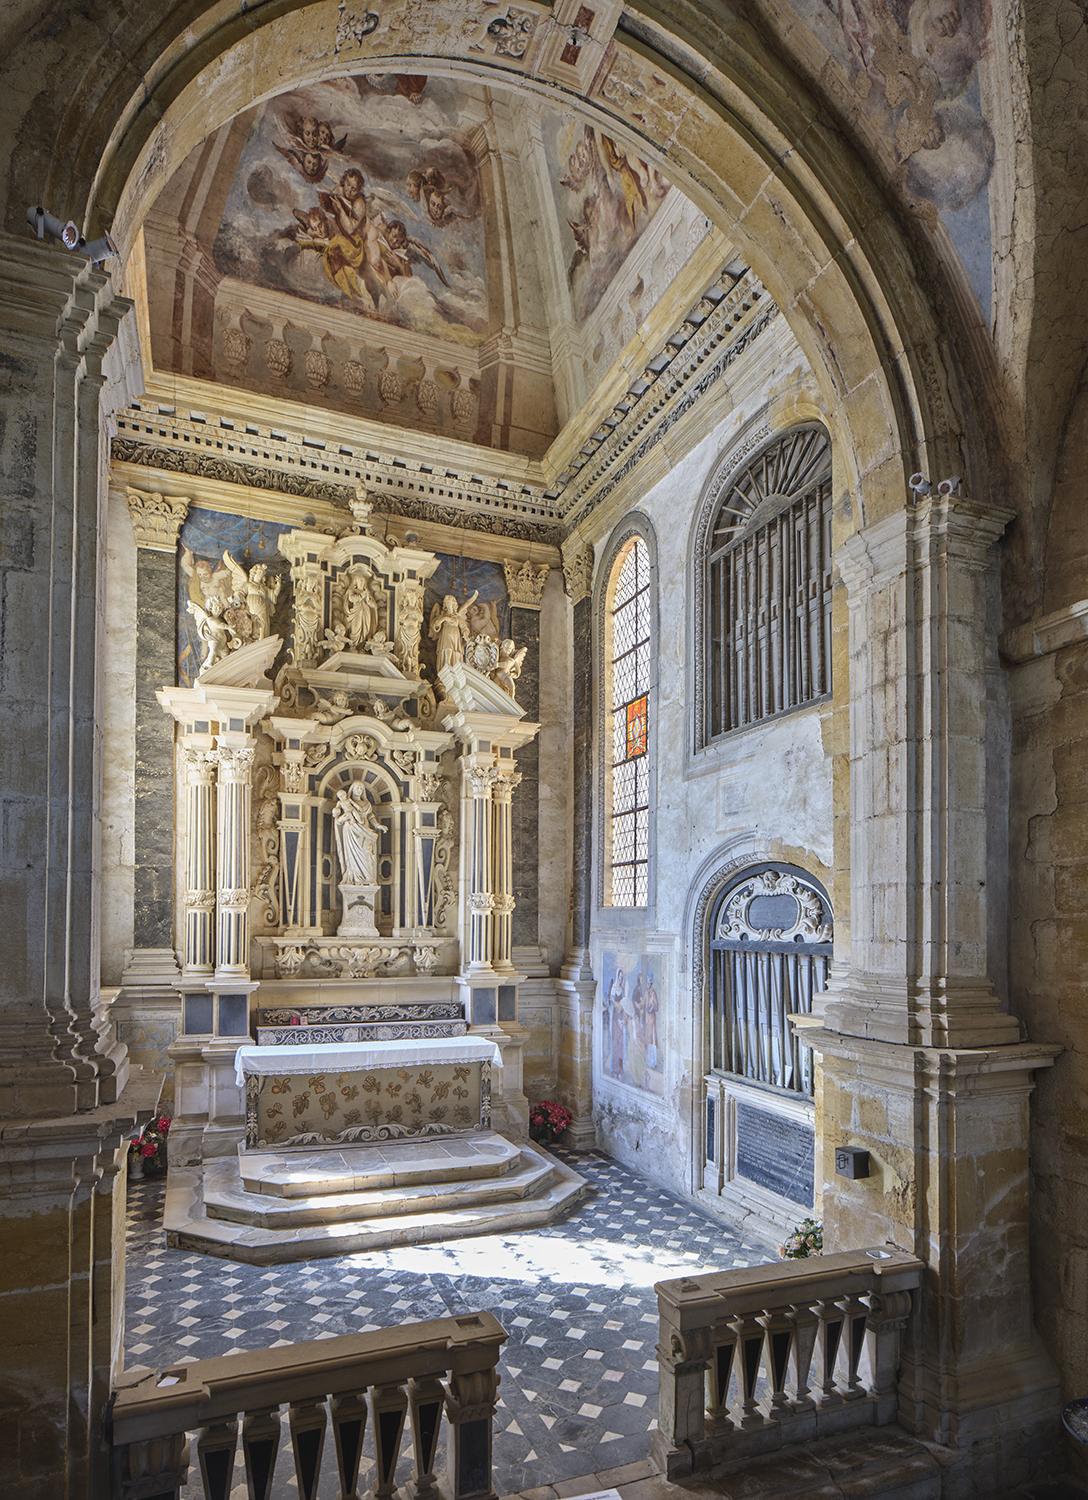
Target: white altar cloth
361, 1057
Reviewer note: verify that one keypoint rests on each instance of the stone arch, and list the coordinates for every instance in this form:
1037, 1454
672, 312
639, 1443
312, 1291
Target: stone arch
739, 141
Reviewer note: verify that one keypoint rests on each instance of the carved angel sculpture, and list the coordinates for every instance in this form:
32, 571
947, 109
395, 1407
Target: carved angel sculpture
212, 629
511, 660
409, 626
449, 627
257, 590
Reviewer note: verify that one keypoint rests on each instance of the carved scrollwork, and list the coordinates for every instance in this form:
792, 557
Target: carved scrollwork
774, 906
360, 747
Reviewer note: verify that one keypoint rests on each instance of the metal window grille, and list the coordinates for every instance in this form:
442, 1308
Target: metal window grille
767, 630
628, 706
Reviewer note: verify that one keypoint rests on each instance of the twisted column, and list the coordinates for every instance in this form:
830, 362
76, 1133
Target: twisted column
201, 763
232, 848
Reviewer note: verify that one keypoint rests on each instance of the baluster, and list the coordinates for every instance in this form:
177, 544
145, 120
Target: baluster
470, 1406
156, 1467
804, 1343
215, 1450
779, 1331
751, 1338
388, 1405
888, 1314
307, 1442
718, 1376
855, 1312
260, 1450
348, 1431
829, 1336
427, 1397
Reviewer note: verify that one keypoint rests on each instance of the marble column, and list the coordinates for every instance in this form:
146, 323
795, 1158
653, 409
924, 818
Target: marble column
576, 988
201, 765
921, 1065
233, 809
156, 521
502, 869
477, 853
525, 588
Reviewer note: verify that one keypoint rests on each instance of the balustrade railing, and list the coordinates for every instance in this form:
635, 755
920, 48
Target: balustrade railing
415, 1372
759, 1359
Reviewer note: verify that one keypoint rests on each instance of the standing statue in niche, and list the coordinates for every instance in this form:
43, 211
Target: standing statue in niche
358, 838
359, 610
257, 591
449, 627
409, 626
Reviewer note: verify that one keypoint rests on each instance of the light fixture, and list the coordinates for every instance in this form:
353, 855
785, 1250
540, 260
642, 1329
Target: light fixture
68, 233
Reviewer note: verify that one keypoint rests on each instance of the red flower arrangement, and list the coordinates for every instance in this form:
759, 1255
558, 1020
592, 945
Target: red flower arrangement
548, 1120
147, 1151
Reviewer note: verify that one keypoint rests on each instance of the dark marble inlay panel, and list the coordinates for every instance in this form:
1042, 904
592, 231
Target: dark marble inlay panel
582, 705
154, 810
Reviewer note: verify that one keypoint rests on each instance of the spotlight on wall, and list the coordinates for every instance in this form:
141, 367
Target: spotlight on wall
919, 484
68, 233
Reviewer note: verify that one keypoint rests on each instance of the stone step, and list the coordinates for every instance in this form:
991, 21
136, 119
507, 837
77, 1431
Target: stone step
189, 1225
225, 1198
306, 1173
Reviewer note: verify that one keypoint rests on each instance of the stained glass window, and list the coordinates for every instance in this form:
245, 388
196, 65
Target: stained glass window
628, 708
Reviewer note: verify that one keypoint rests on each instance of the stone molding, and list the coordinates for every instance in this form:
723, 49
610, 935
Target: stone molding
157, 519
525, 583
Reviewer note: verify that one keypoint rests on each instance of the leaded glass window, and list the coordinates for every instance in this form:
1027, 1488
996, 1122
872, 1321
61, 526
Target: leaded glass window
767, 587
770, 949
628, 706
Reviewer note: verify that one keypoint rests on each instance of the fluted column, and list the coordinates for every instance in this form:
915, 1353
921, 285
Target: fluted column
502, 869
477, 855
525, 584
201, 766
233, 808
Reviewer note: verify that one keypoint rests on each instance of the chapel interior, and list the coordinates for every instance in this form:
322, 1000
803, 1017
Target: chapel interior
544, 679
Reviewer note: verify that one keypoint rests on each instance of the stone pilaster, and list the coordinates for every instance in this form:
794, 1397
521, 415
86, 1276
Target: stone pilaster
201, 765
156, 521
576, 988
525, 588
477, 853
502, 865
920, 1064
234, 795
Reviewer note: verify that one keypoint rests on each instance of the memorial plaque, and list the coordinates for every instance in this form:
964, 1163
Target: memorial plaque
776, 1153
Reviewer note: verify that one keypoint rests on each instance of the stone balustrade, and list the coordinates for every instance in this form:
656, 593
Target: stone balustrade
416, 1370
757, 1360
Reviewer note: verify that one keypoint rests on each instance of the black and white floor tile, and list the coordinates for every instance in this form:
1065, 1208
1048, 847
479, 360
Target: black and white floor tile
579, 1371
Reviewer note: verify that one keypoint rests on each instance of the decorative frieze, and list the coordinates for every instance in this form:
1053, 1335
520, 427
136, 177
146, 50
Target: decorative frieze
157, 519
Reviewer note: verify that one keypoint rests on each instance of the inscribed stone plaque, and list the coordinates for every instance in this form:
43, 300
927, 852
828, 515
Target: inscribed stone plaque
775, 1153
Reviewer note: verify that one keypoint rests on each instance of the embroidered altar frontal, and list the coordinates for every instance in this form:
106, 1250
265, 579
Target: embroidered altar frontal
381, 1104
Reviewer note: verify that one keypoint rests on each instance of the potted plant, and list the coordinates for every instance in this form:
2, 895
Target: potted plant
807, 1239
548, 1120
147, 1151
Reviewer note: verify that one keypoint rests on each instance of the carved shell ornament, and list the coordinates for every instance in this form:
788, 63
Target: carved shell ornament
774, 906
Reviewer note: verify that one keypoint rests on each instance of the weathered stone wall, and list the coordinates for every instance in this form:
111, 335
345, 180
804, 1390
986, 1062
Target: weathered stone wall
764, 791
118, 739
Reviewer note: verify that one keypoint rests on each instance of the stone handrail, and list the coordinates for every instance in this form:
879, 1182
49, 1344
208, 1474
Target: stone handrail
738, 1350
446, 1365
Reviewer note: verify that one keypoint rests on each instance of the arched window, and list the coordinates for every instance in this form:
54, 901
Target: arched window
766, 587
627, 633
770, 946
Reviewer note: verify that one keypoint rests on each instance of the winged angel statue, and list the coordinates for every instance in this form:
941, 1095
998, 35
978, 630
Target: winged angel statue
231, 605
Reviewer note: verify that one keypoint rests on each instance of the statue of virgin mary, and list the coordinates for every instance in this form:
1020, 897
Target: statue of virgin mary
358, 833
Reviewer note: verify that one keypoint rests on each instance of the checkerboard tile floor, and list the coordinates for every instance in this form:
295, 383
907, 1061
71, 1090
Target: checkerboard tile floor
579, 1372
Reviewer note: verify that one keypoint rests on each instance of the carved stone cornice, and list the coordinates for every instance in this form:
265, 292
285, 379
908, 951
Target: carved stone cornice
157, 519
538, 505
525, 583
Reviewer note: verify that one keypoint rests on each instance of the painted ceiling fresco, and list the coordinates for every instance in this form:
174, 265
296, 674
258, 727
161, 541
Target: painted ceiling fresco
605, 196
915, 65
364, 194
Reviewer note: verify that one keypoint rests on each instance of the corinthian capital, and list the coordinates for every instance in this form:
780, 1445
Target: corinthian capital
577, 569
156, 519
235, 762
525, 583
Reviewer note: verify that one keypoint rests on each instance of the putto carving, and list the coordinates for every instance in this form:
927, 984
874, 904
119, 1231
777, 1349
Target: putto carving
157, 519
507, 668
525, 583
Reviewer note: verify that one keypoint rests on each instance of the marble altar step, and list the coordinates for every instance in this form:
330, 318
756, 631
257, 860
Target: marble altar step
306, 1173
209, 1209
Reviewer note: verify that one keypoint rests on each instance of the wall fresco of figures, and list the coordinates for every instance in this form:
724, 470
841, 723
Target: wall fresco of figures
605, 196
364, 193
632, 1026
915, 64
